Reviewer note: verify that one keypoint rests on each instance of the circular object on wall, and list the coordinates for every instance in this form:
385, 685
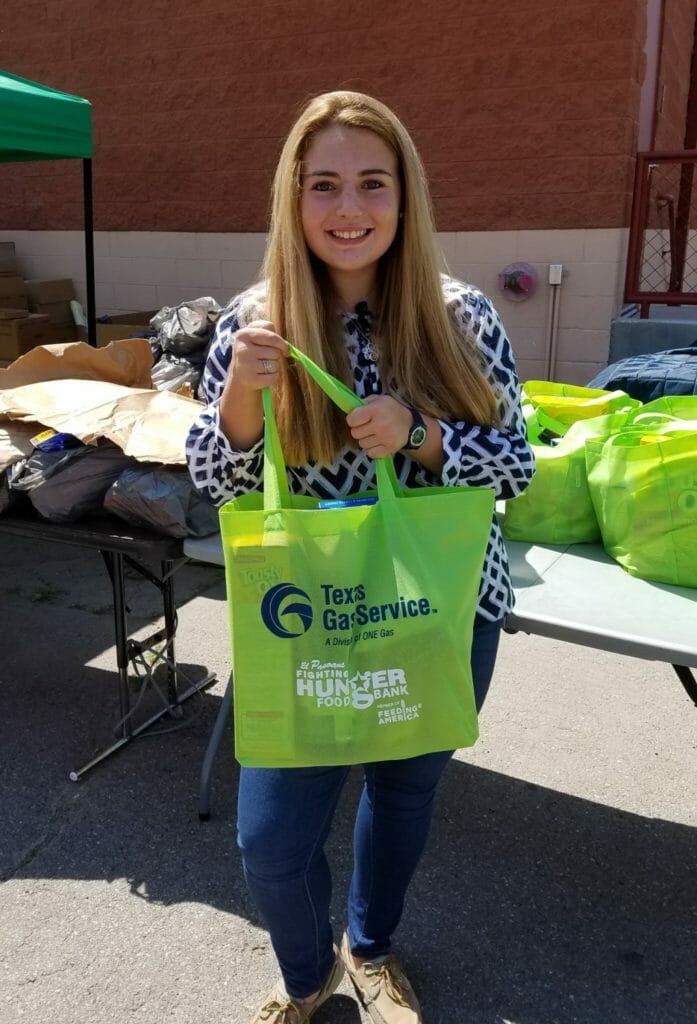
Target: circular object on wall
518, 281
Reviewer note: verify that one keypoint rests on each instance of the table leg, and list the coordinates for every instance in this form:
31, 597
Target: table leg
687, 678
170, 617
211, 750
114, 562
126, 649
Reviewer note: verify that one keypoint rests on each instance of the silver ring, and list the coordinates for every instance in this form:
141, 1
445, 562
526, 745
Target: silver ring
268, 365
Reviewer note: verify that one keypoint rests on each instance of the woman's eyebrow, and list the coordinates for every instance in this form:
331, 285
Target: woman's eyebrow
334, 174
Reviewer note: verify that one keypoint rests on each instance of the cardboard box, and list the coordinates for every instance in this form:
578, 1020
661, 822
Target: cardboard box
12, 284
123, 325
14, 302
8, 258
13, 294
12, 314
20, 334
57, 312
59, 290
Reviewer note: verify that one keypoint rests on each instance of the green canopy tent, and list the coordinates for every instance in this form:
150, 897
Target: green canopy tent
39, 123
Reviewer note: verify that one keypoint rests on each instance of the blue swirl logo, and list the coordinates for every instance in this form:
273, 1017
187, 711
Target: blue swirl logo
278, 605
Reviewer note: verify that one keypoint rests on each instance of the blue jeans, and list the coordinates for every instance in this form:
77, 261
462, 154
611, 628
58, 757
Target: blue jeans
284, 817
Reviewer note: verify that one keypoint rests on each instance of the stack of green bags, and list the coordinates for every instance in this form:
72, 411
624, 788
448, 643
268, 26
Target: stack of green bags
610, 468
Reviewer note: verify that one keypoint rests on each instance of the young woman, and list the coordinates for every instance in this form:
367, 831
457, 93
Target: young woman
352, 276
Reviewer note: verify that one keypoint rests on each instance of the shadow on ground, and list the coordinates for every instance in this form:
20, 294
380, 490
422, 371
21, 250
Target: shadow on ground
534, 905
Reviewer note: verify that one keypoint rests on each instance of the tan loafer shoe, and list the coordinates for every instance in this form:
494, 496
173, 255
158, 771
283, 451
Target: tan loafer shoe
279, 1008
383, 989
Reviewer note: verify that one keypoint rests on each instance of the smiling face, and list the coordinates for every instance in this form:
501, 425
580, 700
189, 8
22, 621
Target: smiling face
349, 206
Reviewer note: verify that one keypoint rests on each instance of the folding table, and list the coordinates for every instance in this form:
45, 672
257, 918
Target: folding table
119, 545
576, 592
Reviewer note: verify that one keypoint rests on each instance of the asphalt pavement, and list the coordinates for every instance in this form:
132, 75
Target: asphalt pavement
559, 885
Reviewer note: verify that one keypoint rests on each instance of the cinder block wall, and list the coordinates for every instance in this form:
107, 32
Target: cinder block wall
147, 270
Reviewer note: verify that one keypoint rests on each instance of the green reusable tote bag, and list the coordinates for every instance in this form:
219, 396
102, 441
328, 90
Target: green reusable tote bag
351, 627
556, 507
643, 483
556, 405
667, 408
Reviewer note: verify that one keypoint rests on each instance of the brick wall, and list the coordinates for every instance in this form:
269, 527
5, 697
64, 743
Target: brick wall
525, 113
674, 73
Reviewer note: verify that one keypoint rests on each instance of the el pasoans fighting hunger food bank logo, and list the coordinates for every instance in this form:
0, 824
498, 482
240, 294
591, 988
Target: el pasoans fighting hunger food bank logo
287, 612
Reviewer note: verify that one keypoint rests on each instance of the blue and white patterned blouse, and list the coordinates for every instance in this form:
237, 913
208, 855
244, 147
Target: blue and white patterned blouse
479, 456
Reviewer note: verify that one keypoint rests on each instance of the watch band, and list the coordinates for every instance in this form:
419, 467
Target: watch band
417, 430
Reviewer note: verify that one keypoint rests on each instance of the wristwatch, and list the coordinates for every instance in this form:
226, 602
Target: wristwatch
417, 430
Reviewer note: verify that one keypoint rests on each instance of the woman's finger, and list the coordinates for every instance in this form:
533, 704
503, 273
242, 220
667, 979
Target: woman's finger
268, 368
359, 417
260, 333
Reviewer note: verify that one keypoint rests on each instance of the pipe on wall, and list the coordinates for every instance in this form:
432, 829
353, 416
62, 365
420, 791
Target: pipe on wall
552, 330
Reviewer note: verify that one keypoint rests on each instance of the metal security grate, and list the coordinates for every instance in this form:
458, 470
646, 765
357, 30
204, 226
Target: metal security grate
662, 255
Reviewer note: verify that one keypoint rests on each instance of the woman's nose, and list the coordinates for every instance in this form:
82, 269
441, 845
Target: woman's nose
349, 202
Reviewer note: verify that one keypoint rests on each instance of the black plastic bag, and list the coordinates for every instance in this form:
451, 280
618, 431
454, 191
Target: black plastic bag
171, 372
8, 498
187, 327
164, 499
65, 485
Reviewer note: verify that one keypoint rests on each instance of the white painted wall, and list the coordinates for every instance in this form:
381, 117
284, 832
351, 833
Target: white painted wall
148, 270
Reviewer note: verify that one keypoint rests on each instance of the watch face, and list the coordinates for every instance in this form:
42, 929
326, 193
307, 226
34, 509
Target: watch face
417, 437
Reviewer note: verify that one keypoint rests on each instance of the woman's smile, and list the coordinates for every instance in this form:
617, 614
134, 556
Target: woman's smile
350, 236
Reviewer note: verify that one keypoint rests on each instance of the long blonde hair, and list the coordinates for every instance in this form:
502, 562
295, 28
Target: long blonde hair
420, 348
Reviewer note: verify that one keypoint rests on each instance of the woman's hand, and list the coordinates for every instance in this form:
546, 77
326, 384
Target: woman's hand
382, 426
256, 354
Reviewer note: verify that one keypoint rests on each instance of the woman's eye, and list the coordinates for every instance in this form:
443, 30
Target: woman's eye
372, 183
322, 186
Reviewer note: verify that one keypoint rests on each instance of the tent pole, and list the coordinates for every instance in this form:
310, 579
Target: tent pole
89, 252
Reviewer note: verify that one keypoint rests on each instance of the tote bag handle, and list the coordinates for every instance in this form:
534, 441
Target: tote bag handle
276, 492
547, 422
